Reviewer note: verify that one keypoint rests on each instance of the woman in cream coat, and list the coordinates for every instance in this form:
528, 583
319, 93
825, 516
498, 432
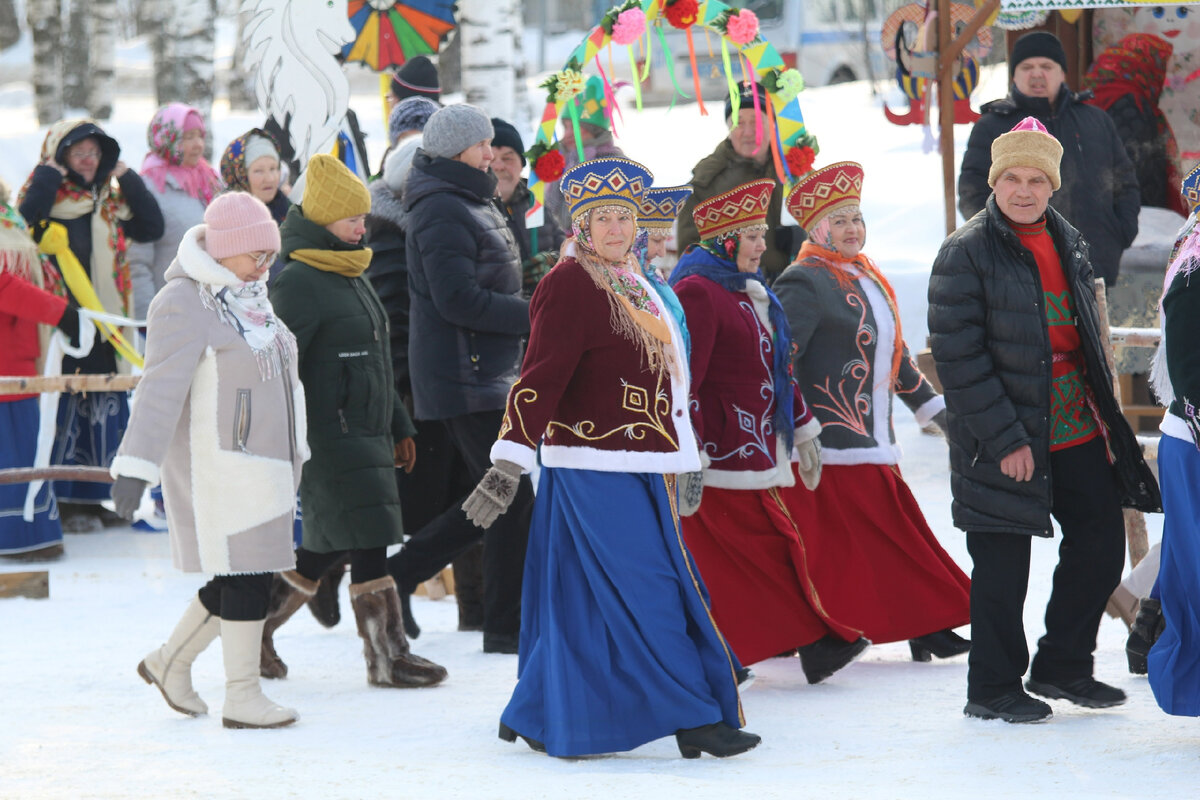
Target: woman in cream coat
219, 419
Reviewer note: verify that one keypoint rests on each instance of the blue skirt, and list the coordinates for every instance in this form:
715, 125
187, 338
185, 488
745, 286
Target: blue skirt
1174, 664
618, 646
90, 427
18, 443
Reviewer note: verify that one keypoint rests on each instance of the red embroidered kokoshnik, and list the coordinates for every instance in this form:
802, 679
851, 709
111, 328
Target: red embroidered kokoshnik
1071, 419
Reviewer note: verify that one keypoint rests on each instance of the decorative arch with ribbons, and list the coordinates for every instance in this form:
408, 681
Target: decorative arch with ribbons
639, 25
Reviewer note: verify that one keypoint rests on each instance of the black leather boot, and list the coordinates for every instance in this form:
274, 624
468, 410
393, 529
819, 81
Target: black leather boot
828, 654
717, 739
1147, 627
509, 735
942, 644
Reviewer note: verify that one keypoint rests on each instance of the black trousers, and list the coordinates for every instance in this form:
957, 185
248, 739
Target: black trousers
365, 565
1090, 559
450, 533
238, 598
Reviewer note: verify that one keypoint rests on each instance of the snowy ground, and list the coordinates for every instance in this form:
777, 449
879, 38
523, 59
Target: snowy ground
78, 722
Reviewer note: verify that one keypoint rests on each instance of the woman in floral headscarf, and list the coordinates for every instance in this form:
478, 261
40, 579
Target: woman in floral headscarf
183, 184
1127, 80
251, 164
82, 184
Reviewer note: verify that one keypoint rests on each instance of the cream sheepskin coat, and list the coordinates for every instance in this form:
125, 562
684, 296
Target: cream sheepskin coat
227, 444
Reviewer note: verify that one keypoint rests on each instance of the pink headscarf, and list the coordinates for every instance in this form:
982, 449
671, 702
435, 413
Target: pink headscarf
165, 137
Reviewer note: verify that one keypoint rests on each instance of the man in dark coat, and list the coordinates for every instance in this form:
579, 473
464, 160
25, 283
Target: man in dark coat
1099, 195
1034, 431
466, 322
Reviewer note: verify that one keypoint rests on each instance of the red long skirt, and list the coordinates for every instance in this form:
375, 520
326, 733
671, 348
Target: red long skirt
785, 567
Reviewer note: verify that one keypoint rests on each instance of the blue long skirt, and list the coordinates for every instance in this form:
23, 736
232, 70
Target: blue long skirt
18, 442
90, 427
1174, 663
618, 646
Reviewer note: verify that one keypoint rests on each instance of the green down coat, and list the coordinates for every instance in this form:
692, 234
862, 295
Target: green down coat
348, 488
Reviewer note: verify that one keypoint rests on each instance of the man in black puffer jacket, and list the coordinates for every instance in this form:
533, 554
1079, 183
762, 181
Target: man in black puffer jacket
1034, 431
466, 322
1099, 195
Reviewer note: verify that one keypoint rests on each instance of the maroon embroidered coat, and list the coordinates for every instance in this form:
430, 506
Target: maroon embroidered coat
733, 388
586, 393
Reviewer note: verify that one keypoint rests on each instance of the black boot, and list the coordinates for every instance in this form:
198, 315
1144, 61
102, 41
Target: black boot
1086, 692
717, 739
1014, 706
410, 623
827, 655
324, 603
942, 644
1147, 627
509, 735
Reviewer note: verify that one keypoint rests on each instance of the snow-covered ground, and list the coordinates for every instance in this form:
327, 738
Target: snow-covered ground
76, 720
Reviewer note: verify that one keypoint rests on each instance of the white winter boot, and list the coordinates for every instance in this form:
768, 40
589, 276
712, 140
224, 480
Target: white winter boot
245, 704
170, 666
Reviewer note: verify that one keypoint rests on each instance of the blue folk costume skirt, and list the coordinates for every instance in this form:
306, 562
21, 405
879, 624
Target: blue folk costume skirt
1174, 663
90, 427
618, 646
18, 443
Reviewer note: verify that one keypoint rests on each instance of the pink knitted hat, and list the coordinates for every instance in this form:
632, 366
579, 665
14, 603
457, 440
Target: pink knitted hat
1028, 144
238, 223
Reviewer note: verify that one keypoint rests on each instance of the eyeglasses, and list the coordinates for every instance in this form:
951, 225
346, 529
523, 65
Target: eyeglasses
85, 155
264, 258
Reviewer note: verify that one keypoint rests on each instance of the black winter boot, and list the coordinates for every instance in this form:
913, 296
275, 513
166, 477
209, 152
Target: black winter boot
828, 654
1147, 627
943, 644
717, 739
324, 602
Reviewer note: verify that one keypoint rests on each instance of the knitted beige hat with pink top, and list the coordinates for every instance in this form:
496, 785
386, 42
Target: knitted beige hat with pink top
237, 223
1028, 144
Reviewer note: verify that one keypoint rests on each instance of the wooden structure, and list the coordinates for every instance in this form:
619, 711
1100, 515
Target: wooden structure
34, 585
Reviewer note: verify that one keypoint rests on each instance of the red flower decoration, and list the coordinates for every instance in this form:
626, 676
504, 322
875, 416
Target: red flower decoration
682, 13
800, 160
550, 166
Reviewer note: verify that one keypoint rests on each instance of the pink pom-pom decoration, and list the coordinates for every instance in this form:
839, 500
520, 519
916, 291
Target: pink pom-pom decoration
742, 27
629, 27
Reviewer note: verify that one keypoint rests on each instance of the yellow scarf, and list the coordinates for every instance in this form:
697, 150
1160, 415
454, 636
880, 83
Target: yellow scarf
350, 263
109, 276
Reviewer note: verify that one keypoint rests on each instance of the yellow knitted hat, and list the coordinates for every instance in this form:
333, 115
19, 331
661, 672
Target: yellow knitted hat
332, 191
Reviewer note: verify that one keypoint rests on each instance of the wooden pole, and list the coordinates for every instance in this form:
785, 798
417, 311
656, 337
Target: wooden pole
55, 473
946, 111
25, 584
37, 384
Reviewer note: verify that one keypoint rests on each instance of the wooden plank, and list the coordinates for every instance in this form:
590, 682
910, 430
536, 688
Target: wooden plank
37, 384
35, 585
55, 473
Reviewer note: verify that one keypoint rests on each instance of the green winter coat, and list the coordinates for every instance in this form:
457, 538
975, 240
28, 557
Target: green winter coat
348, 488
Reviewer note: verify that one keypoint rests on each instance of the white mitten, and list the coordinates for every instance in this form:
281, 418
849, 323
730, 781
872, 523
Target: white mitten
809, 462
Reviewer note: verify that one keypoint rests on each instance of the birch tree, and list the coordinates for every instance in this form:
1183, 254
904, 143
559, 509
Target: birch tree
45, 23
183, 53
488, 31
102, 46
241, 92
75, 64
10, 28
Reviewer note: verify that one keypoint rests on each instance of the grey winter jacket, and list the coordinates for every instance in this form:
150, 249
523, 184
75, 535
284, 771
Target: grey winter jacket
991, 344
227, 444
148, 261
466, 315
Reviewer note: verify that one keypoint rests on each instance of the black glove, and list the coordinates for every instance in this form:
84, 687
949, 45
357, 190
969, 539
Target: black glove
127, 495
69, 325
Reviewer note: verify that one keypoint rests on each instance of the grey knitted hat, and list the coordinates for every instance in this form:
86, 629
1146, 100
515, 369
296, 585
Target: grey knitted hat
410, 114
455, 128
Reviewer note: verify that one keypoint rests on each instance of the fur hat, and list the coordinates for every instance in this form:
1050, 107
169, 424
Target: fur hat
1039, 44
742, 207
332, 191
455, 128
507, 136
237, 223
410, 114
417, 78
1028, 144
824, 191
608, 181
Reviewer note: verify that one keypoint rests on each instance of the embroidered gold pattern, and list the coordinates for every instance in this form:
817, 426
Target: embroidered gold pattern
516, 397
635, 399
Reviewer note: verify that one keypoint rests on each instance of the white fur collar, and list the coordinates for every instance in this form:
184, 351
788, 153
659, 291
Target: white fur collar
197, 264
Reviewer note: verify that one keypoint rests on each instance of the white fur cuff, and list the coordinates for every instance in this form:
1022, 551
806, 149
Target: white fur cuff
809, 430
519, 454
134, 467
929, 410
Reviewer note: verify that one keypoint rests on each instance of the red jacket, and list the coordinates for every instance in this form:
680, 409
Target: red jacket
22, 306
733, 389
586, 393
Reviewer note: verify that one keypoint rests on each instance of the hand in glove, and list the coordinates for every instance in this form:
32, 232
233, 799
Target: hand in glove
809, 462
494, 494
127, 495
691, 491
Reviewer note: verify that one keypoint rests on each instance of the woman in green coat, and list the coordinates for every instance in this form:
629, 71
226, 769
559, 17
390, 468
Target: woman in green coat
358, 430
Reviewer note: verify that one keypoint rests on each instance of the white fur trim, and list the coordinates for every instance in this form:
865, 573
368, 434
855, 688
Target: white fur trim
881, 370
300, 409
231, 492
197, 264
762, 304
1176, 427
888, 454
929, 409
519, 454
779, 475
134, 467
687, 460
809, 430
